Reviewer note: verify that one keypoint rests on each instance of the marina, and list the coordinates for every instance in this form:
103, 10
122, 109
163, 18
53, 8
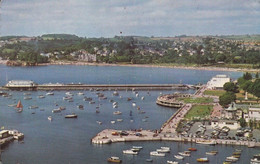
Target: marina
61, 131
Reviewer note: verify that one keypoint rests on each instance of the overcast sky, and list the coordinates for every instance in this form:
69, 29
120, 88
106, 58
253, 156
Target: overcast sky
107, 18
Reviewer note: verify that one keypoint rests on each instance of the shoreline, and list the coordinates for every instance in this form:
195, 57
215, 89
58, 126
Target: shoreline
79, 63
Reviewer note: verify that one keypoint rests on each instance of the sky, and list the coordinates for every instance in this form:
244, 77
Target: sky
107, 18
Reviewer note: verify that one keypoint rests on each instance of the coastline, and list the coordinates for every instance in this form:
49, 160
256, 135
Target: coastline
3, 62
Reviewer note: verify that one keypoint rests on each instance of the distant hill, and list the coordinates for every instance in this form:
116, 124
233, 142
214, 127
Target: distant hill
255, 37
59, 36
11, 37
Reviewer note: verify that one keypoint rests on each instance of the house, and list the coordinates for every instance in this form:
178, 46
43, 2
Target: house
218, 82
232, 124
254, 113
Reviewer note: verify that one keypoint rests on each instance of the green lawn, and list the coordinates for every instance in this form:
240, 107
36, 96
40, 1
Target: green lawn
7, 50
196, 100
199, 111
214, 92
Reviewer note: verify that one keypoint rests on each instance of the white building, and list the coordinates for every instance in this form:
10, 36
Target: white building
218, 82
254, 113
232, 124
20, 83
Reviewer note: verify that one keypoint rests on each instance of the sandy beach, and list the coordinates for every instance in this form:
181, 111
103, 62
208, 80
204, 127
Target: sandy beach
145, 65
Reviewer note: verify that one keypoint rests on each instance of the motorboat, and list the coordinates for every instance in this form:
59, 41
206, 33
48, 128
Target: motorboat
69, 93
99, 122
163, 150
33, 107
211, 153
80, 93
142, 98
155, 153
255, 159
187, 154
166, 148
56, 110
27, 98
41, 96
178, 156
203, 159
67, 98
119, 120
130, 152
87, 99
231, 159
115, 93
137, 147
172, 162
49, 93
117, 112
112, 122
62, 107
50, 118
73, 115
192, 149
114, 159
133, 104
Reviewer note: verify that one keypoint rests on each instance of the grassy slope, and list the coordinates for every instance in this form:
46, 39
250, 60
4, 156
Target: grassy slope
201, 111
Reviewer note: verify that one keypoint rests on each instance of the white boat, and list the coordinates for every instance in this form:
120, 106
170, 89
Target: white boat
172, 162
115, 103
117, 112
163, 150
27, 98
33, 107
50, 118
155, 153
71, 116
255, 159
184, 154
80, 93
137, 95
231, 159
133, 104
130, 152
167, 148
115, 106
142, 98
207, 142
41, 96
67, 98
56, 110
115, 93
137, 147
178, 156
62, 107
112, 122
69, 93
11, 105
99, 122
119, 120
114, 159
49, 93
211, 153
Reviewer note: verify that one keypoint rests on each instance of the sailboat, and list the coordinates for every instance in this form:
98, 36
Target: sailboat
19, 106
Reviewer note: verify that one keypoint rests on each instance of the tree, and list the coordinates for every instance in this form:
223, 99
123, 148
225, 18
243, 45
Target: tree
257, 75
242, 122
255, 88
227, 98
246, 86
230, 87
247, 76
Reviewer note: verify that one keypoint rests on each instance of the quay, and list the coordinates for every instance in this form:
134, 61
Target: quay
30, 85
7, 136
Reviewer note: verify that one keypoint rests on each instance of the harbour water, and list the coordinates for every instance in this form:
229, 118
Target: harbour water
68, 140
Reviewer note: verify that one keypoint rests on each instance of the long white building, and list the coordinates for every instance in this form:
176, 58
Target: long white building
218, 82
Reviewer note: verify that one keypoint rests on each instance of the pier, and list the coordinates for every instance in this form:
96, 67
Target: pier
100, 87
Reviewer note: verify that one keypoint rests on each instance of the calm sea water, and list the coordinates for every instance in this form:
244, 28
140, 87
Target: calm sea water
68, 141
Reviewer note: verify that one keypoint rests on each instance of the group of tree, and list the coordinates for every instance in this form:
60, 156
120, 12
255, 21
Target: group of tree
250, 85
230, 94
138, 50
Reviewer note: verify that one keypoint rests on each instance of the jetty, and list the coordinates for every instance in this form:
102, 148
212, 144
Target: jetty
30, 85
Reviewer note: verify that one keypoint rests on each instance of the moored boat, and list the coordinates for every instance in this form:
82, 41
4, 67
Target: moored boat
114, 159
172, 162
178, 156
117, 112
73, 115
192, 149
163, 150
130, 152
137, 147
50, 118
202, 160
56, 110
49, 93
255, 159
155, 153
211, 153
231, 159
187, 154
149, 160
